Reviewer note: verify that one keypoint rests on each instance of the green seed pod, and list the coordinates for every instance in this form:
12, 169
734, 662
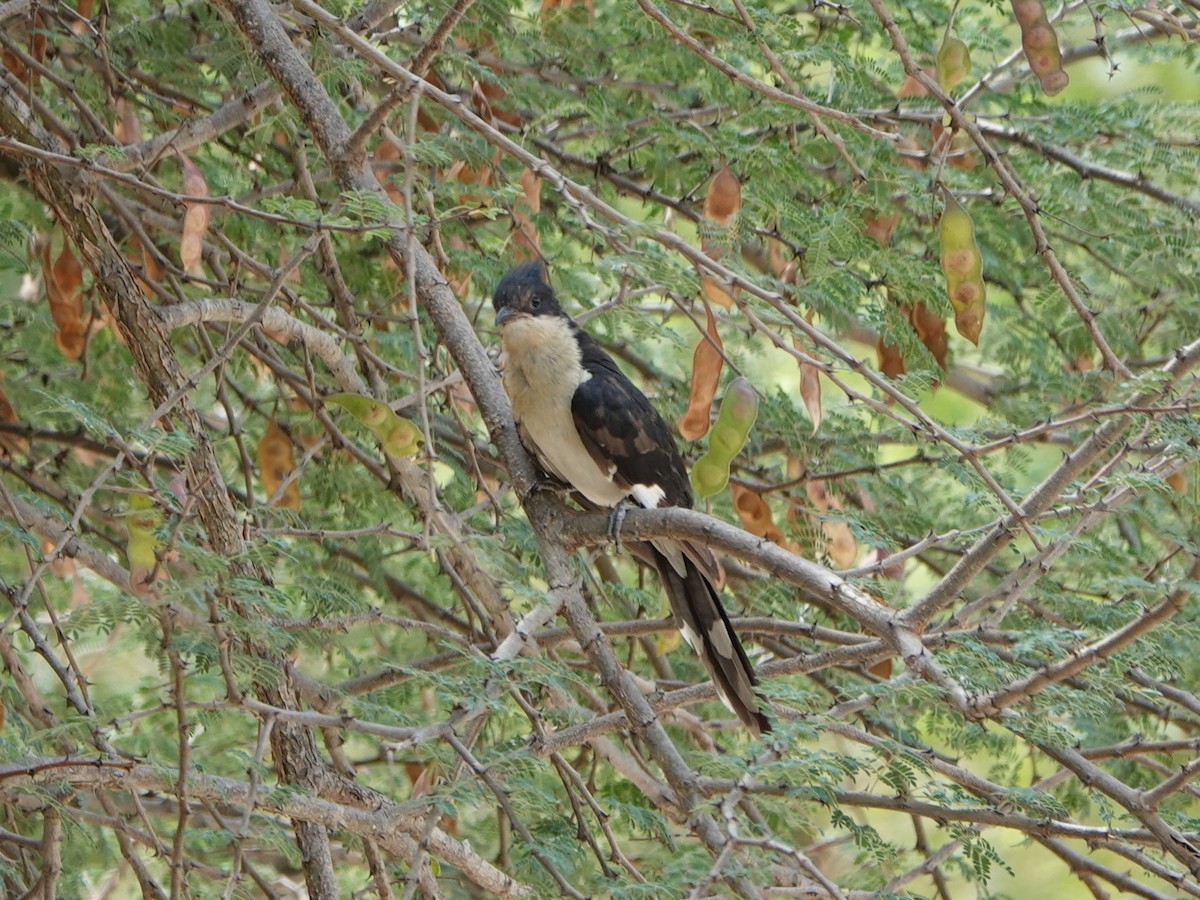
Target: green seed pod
397, 436
739, 409
367, 410
401, 439
143, 515
953, 63
709, 475
141, 551
962, 264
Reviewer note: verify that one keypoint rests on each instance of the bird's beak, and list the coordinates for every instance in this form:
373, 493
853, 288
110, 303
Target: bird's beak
504, 314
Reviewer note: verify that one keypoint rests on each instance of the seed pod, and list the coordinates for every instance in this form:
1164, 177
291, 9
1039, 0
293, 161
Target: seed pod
724, 198
881, 226
367, 410
931, 330
1040, 43
755, 514
962, 264
839, 540
64, 292
962, 152
397, 436
721, 204
739, 409
709, 475
953, 63
714, 292
891, 360
910, 87
277, 460
141, 523
810, 384
10, 443
707, 362
527, 243
195, 219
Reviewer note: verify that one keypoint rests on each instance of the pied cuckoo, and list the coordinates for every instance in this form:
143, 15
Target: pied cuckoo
588, 426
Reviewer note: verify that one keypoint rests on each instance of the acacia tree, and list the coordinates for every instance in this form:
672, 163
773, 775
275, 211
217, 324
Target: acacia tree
282, 594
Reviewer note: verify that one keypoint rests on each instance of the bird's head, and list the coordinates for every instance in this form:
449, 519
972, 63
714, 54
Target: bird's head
524, 292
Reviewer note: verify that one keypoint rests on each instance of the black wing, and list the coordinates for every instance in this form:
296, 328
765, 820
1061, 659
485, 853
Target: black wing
623, 432
622, 429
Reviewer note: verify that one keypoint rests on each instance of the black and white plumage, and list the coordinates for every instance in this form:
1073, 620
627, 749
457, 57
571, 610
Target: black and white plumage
590, 427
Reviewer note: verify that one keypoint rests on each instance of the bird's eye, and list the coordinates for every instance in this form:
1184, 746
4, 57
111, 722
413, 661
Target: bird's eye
535, 302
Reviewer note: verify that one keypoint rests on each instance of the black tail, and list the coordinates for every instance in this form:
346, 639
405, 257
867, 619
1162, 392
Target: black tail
705, 625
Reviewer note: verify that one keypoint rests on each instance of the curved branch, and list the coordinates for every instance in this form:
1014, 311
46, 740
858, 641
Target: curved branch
219, 309
822, 585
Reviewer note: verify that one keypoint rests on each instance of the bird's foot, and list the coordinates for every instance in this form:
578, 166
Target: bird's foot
614, 523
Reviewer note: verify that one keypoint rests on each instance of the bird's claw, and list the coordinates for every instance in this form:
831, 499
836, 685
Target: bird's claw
614, 523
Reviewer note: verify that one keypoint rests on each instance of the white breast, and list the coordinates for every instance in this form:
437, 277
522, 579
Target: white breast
542, 369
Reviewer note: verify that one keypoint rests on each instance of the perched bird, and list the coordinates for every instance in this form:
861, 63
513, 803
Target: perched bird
591, 428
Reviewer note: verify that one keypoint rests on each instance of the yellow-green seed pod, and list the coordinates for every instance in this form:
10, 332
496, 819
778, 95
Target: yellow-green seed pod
953, 63
143, 514
369, 411
397, 436
962, 265
402, 438
141, 551
709, 475
739, 409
